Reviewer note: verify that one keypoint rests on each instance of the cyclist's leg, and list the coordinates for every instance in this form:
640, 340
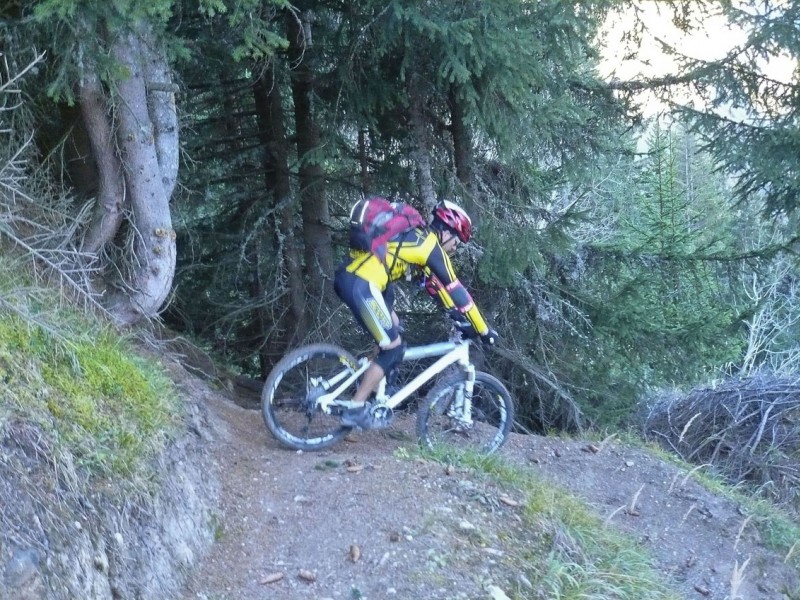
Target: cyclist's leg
371, 310
371, 307
384, 362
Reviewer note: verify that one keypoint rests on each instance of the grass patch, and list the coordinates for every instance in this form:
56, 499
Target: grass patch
564, 550
779, 531
84, 385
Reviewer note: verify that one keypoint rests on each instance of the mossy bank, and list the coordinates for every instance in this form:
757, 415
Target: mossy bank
106, 488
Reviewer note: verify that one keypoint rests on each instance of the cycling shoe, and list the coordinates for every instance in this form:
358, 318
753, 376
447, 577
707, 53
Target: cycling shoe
367, 417
357, 417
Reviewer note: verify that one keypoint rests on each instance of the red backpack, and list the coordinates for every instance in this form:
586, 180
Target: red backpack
375, 221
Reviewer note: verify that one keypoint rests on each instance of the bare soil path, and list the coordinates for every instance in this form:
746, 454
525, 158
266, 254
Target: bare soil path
364, 521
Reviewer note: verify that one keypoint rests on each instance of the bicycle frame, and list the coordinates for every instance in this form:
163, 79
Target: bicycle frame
450, 353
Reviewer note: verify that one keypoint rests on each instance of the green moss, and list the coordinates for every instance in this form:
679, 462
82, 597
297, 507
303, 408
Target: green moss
107, 406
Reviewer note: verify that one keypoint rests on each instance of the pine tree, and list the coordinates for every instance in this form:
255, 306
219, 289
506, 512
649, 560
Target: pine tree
111, 60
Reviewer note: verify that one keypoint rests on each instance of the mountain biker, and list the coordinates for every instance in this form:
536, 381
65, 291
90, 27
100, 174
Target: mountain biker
364, 282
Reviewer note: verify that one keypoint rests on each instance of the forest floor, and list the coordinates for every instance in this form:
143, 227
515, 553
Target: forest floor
367, 520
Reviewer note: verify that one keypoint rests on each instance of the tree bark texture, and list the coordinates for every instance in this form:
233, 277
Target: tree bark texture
269, 107
421, 141
163, 114
363, 161
462, 150
110, 202
313, 202
143, 138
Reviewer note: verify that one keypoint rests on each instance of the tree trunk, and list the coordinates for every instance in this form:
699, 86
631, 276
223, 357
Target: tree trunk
269, 108
313, 203
462, 150
108, 210
363, 161
143, 138
421, 153
161, 106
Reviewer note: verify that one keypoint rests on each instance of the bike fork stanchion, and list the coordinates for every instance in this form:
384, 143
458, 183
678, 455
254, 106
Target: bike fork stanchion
469, 387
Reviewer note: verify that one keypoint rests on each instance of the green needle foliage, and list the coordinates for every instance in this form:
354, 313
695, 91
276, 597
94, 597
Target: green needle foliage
608, 269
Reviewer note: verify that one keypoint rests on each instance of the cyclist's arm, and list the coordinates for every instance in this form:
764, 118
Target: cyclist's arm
451, 293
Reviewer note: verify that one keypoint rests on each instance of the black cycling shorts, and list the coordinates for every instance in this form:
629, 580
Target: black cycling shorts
371, 307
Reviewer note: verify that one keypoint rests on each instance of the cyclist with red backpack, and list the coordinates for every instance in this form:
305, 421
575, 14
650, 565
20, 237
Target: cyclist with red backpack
364, 282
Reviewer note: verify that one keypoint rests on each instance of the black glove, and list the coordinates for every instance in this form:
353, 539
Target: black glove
466, 329
457, 316
490, 337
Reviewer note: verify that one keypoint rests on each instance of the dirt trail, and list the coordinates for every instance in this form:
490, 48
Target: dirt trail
363, 521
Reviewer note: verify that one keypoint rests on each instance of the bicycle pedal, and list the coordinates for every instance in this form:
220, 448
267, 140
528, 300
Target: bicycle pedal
382, 416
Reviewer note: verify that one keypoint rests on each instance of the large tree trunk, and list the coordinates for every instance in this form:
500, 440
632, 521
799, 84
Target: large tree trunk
462, 150
108, 209
421, 140
292, 327
161, 107
144, 137
313, 203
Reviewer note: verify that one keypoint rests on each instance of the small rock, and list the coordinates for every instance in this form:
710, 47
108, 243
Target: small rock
272, 578
355, 553
465, 525
701, 589
307, 575
496, 593
509, 501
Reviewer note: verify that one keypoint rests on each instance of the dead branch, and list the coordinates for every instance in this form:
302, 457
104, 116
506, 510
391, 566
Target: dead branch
747, 428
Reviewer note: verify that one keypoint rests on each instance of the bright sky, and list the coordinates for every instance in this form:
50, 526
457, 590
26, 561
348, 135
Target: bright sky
710, 42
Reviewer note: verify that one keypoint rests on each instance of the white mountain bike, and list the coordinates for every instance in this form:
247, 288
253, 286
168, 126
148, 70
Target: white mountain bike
307, 391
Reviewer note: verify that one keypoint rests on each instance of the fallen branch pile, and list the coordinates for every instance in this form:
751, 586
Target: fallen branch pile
747, 429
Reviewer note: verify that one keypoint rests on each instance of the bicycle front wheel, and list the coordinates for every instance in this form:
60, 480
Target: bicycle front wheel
288, 400
482, 425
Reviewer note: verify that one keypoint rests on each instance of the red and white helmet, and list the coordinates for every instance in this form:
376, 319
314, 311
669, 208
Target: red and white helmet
454, 218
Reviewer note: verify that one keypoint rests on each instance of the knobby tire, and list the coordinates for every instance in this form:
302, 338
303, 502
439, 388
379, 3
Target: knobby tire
287, 398
492, 414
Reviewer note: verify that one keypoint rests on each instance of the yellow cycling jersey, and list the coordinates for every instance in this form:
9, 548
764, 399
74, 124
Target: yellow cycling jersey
418, 249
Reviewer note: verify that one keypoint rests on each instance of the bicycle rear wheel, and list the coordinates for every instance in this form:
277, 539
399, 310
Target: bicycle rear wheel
290, 392
441, 418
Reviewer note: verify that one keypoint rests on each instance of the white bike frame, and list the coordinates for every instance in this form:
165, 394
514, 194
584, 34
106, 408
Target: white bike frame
456, 352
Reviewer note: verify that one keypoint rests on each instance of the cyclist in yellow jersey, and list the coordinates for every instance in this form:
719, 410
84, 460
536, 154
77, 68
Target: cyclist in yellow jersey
364, 282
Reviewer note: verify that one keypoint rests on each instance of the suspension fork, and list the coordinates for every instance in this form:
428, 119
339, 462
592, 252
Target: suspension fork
461, 408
